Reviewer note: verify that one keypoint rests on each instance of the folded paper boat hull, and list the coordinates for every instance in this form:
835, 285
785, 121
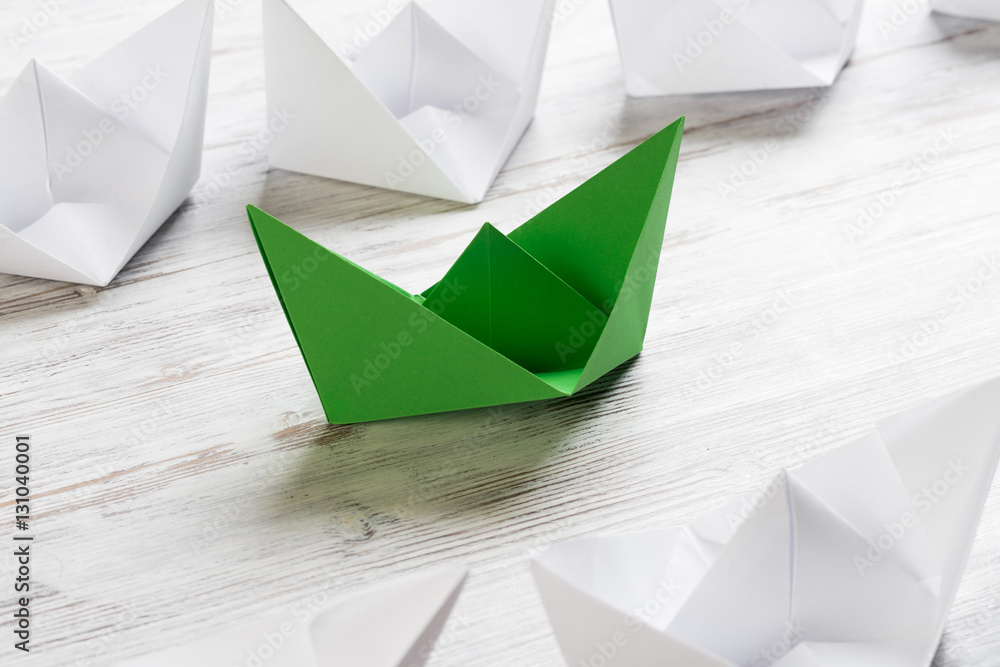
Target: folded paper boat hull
393, 624
852, 560
86, 178
709, 46
433, 105
537, 314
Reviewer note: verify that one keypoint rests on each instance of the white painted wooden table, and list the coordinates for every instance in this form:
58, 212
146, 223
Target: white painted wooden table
185, 479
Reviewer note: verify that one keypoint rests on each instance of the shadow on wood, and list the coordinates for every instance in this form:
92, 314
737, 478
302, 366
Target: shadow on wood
473, 463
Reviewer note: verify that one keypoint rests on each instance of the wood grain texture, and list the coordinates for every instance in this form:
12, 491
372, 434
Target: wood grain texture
184, 476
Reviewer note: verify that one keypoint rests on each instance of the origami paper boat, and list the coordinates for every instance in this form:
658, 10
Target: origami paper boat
433, 105
91, 166
973, 9
707, 46
850, 561
394, 625
539, 313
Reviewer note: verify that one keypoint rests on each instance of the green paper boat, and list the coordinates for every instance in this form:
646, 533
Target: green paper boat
539, 313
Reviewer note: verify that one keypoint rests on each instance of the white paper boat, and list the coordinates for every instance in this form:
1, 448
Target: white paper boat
392, 625
705, 46
433, 105
91, 166
850, 561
